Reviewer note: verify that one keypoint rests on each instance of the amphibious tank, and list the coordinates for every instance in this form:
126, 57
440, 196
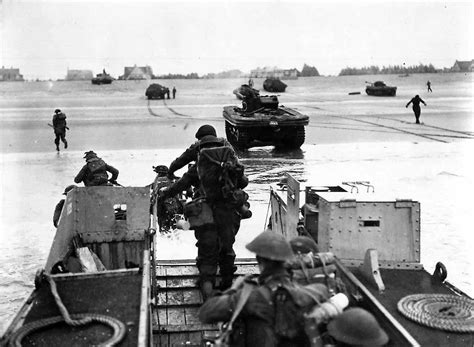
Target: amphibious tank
379, 88
274, 85
261, 121
156, 91
102, 78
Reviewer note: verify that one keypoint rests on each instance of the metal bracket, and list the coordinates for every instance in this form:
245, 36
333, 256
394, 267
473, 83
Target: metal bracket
370, 269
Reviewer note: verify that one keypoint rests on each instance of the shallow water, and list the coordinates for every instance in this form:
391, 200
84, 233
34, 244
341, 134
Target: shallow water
437, 174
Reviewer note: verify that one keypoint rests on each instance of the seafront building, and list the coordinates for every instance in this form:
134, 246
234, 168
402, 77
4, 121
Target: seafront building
10, 74
463, 66
78, 75
137, 73
268, 72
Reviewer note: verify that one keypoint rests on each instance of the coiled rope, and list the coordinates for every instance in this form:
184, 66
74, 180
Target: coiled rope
439, 311
119, 328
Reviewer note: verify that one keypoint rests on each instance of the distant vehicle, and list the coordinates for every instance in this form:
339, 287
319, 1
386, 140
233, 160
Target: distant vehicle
274, 85
156, 91
379, 88
262, 122
102, 78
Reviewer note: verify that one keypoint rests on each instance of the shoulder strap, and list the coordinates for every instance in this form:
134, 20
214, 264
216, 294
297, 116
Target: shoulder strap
227, 328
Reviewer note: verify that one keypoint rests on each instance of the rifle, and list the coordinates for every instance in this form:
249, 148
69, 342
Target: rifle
53, 126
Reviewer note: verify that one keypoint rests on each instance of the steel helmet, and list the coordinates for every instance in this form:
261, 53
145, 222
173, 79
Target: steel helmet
68, 188
57, 110
160, 169
204, 130
303, 244
356, 326
90, 154
271, 245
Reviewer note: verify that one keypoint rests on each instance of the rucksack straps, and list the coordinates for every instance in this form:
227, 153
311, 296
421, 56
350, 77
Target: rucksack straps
222, 340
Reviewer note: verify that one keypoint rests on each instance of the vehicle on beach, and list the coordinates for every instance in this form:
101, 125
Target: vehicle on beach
102, 266
261, 121
102, 78
379, 88
156, 91
274, 85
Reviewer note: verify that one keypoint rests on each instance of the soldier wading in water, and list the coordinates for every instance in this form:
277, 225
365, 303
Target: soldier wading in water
59, 126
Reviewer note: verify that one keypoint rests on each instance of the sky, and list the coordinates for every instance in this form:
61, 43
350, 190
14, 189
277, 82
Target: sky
44, 38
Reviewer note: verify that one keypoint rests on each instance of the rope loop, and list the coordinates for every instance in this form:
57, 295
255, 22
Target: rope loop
440, 311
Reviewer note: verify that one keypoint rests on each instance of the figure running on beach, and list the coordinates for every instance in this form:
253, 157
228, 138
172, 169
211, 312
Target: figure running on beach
416, 107
428, 84
59, 126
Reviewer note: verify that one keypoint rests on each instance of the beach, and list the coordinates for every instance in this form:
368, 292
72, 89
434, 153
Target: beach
349, 138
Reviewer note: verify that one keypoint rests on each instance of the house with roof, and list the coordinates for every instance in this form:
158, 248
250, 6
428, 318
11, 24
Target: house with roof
11, 74
78, 75
137, 73
463, 66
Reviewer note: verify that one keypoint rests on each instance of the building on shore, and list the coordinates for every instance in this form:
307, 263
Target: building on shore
79, 75
274, 72
463, 66
137, 73
11, 74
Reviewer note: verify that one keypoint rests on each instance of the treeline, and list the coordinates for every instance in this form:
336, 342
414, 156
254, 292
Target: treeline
386, 70
189, 76
308, 71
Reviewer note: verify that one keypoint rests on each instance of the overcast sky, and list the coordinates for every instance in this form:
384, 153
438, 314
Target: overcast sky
43, 38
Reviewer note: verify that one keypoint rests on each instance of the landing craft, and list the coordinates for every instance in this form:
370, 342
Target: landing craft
102, 267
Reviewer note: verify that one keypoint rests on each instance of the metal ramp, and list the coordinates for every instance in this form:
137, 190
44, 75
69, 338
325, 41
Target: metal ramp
178, 298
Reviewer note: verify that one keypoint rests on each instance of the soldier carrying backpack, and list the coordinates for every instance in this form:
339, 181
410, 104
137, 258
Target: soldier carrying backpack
219, 204
269, 310
94, 173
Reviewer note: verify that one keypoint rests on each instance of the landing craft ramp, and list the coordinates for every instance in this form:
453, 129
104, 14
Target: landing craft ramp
175, 320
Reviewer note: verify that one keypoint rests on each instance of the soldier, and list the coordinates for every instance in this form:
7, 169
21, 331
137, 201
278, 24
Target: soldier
214, 241
60, 204
169, 207
190, 155
416, 107
357, 327
94, 173
174, 92
273, 312
59, 126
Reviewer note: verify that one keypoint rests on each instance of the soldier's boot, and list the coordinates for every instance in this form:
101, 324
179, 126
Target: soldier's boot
65, 144
226, 282
57, 148
206, 285
227, 275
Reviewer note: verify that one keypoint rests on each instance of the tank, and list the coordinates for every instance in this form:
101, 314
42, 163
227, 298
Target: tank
261, 121
156, 91
379, 88
274, 85
102, 78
